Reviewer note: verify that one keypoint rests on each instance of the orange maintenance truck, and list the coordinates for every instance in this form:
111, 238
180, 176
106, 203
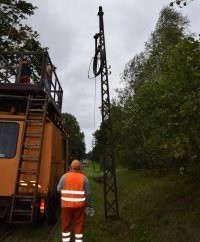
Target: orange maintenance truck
33, 141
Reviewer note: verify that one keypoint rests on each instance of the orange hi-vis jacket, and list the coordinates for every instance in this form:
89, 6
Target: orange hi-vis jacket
73, 193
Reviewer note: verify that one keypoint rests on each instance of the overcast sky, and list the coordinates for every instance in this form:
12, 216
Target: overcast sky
67, 27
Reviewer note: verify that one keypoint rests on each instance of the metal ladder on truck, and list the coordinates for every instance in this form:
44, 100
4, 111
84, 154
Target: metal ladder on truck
23, 206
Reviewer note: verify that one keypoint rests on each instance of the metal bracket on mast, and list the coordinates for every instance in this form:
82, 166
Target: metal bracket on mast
100, 67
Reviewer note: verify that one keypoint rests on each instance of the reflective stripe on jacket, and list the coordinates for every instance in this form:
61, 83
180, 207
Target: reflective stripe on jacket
73, 194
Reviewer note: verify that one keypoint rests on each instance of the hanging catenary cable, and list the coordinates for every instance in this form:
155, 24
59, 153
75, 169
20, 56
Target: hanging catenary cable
95, 87
95, 91
92, 60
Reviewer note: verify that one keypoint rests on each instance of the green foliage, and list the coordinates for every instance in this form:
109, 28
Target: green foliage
98, 145
167, 108
14, 34
170, 30
76, 142
155, 118
146, 66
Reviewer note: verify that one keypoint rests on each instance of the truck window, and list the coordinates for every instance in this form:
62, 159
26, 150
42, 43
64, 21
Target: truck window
8, 139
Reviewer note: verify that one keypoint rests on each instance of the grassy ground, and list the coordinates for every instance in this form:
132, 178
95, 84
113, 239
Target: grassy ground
152, 209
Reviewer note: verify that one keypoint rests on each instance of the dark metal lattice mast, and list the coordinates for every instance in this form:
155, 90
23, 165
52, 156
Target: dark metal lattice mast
110, 187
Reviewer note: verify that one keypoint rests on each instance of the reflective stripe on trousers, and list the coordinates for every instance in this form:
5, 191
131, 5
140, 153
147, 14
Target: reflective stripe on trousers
66, 236
75, 216
78, 237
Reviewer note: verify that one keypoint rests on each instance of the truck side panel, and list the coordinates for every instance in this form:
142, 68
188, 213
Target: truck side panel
52, 162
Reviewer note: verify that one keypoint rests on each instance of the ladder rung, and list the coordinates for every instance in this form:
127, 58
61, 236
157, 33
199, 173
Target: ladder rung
28, 171
35, 120
19, 221
23, 197
24, 200
29, 157
34, 132
36, 106
35, 115
38, 124
34, 136
30, 160
37, 99
22, 212
37, 110
31, 145
28, 147
35, 148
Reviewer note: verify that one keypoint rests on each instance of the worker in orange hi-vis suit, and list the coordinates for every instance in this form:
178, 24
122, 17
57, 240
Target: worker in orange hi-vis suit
75, 193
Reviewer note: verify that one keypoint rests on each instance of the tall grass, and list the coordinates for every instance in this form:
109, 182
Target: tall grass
152, 209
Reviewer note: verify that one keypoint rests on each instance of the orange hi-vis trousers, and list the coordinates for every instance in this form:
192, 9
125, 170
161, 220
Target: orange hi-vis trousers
75, 217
